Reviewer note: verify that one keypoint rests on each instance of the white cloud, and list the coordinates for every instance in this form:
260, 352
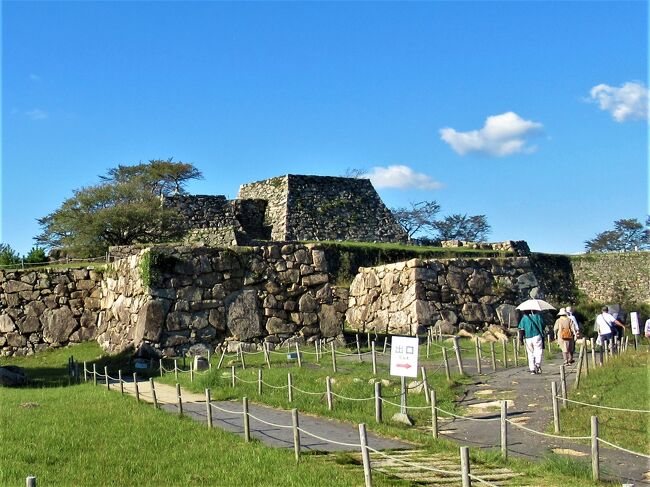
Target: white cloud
402, 177
37, 114
502, 135
627, 102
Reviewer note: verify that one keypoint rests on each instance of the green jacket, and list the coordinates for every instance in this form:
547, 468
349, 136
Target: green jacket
532, 326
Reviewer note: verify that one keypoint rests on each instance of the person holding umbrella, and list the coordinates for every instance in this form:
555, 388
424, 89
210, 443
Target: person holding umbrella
532, 326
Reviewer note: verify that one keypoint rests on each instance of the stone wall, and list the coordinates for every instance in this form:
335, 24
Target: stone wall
42, 309
517, 247
324, 208
613, 277
450, 294
166, 299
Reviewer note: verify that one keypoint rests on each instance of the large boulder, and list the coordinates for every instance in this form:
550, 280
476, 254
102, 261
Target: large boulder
150, 319
331, 322
243, 316
58, 325
6, 324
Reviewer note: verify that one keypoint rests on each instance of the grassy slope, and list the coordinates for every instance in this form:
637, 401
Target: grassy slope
623, 383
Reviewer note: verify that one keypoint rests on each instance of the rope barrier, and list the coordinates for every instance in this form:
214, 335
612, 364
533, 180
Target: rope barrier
212, 405
326, 440
623, 449
407, 407
547, 434
268, 423
605, 407
353, 398
469, 418
308, 392
275, 387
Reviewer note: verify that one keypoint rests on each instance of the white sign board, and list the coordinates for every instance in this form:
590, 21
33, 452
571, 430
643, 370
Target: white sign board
404, 356
634, 318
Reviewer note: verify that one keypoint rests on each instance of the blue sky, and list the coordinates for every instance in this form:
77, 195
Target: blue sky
532, 113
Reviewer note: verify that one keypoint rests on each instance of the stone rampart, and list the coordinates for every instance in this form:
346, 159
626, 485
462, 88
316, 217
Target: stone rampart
449, 294
613, 277
42, 309
517, 247
324, 208
168, 299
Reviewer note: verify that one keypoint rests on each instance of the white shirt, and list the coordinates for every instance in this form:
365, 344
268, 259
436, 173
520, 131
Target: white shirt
576, 327
605, 323
647, 326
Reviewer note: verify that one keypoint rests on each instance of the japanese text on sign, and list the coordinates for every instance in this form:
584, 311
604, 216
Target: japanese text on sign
404, 356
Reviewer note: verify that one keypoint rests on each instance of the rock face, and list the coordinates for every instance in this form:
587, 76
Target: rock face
201, 295
324, 208
47, 308
447, 294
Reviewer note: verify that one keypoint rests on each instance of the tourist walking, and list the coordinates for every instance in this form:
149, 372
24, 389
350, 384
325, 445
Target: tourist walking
565, 334
606, 326
533, 327
574, 320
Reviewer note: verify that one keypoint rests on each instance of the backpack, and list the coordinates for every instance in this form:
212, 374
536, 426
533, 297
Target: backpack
565, 332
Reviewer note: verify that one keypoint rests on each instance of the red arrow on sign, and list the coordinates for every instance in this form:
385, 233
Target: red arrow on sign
405, 366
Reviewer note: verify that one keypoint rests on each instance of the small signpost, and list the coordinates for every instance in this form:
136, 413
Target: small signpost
404, 363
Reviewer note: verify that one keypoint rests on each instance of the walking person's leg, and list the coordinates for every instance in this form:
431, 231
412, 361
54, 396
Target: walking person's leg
538, 352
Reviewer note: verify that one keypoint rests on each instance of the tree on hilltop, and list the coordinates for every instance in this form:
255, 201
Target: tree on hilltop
628, 234
123, 209
417, 218
462, 227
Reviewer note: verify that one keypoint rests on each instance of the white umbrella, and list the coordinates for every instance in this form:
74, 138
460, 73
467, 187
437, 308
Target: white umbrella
534, 305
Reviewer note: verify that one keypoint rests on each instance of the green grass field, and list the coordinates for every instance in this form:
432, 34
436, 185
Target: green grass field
623, 383
79, 435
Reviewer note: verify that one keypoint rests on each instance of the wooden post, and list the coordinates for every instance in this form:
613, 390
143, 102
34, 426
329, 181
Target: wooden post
106, 381
549, 352
179, 398
459, 359
563, 390
175, 369
434, 413
153, 393
160, 367
267, 355
365, 455
478, 355
247, 423
378, 403
358, 348
191, 372
135, 386
593, 353
505, 353
119, 377
30, 481
514, 352
296, 434
259, 381
223, 354
290, 387
241, 357
425, 383
298, 355
85, 372
333, 358
504, 430
385, 344
94, 374
595, 458
586, 358
208, 407
328, 385
374, 358
579, 370
493, 356
232, 376
464, 467
446, 363
428, 341
556, 409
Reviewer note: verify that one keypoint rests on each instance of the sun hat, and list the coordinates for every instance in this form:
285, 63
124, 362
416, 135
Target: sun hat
561, 312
